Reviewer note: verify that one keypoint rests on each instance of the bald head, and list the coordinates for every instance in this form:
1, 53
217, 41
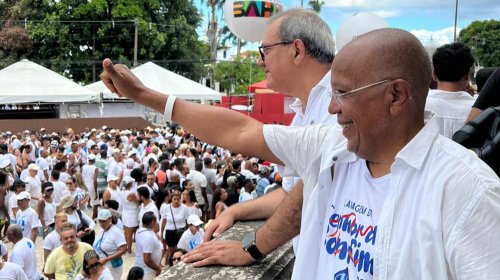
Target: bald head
392, 54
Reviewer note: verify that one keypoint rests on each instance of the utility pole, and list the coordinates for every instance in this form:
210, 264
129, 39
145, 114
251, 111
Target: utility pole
93, 57
456, 15
136, 36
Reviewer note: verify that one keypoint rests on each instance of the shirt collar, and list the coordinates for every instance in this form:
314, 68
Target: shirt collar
416, 151
296, 106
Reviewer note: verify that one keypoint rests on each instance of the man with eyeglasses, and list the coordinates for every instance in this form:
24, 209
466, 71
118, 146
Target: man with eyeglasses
296, 55
397, 201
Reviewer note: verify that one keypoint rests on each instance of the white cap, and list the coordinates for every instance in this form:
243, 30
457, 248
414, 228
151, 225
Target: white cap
91, 157
112, 178
129, 162
23, 195
104, 214
127, 180
33, 166
131, 153
4, 162
194, 220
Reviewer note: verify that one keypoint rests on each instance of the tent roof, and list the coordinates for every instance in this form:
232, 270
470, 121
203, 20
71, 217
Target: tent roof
258, 85
28, 82
165, 81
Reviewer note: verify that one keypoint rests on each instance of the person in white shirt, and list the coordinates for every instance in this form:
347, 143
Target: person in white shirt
43, 164
147, 205
26, 217
110, 244
89, 175
12, 271
379, 87
4, 253
112, 192
53, 239
59, 186
33, 184
148, 247
193, 236
23, 253
450, 102
199, 185
115, 168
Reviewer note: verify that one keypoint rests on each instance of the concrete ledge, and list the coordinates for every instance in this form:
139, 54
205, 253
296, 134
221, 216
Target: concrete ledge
277, 265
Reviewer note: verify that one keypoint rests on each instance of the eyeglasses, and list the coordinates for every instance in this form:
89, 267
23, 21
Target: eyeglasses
174, 259
337, 95
49, 190
92, 266
263, 48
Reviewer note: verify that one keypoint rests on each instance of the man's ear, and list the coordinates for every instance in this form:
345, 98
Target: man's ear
300, 51
400, 94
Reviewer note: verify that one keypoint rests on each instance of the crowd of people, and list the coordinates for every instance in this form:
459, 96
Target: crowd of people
89, 195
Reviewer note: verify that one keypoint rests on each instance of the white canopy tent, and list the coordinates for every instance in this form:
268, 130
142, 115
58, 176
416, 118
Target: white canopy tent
165, 81
28, 82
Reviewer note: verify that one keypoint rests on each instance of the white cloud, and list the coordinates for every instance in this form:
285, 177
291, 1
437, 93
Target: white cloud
435, 38
387, 13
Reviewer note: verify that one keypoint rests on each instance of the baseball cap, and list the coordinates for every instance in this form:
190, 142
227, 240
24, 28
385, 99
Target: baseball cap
32, 166
112, 178
129, 162
91, 157
127, 180
42, 129
263, 169
103, 214
4, 162
194, 220
54, 143
23, 195
131, 153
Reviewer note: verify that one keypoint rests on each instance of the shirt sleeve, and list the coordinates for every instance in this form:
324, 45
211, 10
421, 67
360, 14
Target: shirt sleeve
149, 243
490, 94
89, 221
474, 254
50, 265
296, 147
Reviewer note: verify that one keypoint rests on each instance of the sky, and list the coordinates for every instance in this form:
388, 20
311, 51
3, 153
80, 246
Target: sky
432, 21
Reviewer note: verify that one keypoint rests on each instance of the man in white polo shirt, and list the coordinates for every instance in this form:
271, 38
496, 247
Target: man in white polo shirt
26, 217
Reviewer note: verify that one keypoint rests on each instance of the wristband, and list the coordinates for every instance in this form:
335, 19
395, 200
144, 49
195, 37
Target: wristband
169, 107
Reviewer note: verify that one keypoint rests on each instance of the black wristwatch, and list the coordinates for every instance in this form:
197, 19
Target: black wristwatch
248, 244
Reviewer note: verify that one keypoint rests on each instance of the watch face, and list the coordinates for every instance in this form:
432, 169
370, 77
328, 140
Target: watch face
248, 240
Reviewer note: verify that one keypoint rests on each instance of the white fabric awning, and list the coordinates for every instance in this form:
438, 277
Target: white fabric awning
28, 82
164, 81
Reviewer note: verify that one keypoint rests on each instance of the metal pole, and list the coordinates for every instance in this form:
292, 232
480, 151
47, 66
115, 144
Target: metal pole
136, 36
456, 15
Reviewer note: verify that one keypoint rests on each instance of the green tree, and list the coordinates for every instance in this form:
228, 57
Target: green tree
73, 36
484, 38
315, 5
239, 73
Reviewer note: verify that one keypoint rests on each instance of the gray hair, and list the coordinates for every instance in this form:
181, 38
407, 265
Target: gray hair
15, 231
311, 29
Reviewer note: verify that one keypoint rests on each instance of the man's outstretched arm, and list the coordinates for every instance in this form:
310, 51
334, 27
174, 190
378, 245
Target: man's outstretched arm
215, 125
281, 227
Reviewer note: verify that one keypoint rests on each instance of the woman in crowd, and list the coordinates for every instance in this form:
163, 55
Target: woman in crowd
83, 223
110, 244
112, 192
130, 210
176, 256
189, 199
46, 209
218, 205
174, 216
148, 247
80, 196
93, 269
17, 187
